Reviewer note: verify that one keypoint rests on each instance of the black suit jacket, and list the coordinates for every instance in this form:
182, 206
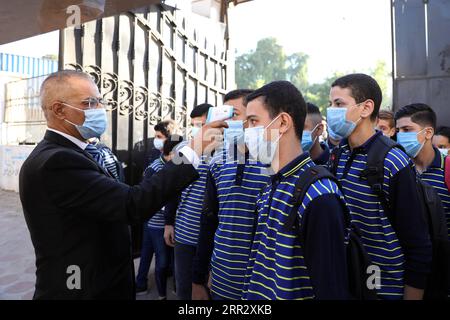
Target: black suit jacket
78, 218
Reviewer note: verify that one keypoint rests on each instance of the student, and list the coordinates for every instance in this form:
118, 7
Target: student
307, 261
228, 217
319, 151
153, 235
441, 139
416, 124
386, 123
403, 253
186, 217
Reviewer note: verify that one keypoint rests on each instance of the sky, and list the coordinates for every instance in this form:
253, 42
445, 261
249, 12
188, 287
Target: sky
38, 46
338, 35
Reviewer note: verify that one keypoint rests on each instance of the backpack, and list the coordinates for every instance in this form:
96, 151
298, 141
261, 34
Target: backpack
438, 282
358, 261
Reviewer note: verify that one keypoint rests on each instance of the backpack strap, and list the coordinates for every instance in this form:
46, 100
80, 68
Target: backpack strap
306, 179
447, 172
240, 169
335, 155
374, 171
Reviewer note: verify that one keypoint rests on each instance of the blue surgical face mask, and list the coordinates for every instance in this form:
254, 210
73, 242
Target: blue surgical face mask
338, 124
408, 140
307, 141
444, 151
258, 147
234, 133
95, 122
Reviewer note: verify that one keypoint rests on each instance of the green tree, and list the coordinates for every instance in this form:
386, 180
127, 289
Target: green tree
268, 62
382, 75
297, 70
318, 93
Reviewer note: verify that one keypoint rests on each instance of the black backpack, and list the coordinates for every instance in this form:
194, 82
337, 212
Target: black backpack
358, 260
438, 283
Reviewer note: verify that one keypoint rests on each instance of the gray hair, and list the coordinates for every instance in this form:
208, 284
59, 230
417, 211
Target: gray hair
56, 82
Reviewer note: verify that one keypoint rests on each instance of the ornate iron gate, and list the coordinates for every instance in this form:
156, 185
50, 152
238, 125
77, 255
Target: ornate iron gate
150, 64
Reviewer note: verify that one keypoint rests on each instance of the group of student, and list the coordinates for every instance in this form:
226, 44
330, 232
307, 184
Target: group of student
266, 220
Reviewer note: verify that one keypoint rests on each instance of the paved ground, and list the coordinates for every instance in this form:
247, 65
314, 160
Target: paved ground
17, 269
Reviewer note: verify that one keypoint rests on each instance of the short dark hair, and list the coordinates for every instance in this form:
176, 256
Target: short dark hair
171, 142
201, 110
282, 96
443, 131
362, 87
236, 94
388, 116
166, 127
313, 109
420, 113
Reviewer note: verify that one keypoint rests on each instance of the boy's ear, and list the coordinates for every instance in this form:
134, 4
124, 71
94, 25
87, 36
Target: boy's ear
368, 108
286, 122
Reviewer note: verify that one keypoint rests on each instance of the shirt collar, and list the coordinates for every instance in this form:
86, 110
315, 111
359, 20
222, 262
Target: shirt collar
364, 147
324, 156
81, 144
438, 161
292, 167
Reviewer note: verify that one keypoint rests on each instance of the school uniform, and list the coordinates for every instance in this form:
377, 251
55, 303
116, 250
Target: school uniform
434, 176
307, 261
403, 252
228, 223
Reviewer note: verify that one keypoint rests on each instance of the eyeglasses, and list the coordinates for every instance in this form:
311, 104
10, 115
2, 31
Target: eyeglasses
93, 103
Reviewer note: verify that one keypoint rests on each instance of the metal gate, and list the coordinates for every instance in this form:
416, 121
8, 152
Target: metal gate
421, 30
150, 64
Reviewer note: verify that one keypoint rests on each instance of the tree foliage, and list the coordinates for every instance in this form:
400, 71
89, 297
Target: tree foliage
268, 62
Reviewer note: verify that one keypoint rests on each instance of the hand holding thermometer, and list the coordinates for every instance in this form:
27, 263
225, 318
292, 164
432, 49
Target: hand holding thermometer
220, 113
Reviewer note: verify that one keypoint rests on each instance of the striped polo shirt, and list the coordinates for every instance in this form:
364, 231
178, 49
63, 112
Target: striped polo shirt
434, 176
157, 221
238, 183
377, 233
276, 268
111, 162
187, 223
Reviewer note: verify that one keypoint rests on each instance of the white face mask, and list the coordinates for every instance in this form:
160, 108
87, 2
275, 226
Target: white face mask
258, 147
158, 143
195, 130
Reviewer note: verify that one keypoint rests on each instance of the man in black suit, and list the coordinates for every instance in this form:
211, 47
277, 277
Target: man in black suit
77, 214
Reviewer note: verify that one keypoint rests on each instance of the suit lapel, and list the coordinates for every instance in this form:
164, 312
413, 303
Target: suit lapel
62, 141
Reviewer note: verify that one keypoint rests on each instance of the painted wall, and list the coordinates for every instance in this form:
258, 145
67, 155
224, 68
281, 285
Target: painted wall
11, 160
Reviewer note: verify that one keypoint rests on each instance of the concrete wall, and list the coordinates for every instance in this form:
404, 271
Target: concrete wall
11, 160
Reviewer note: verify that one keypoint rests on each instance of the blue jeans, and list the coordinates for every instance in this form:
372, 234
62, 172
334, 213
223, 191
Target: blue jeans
184, 256
153, 243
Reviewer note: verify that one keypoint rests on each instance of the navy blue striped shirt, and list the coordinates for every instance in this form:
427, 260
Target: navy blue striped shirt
237, 185
378, 235
187, 222
283, 263
434, 176
157, 221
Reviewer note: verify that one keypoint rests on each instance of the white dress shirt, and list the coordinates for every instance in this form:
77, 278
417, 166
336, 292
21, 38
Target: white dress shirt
81, 144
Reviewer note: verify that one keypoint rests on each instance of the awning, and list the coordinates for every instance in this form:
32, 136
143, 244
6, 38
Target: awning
21, 19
